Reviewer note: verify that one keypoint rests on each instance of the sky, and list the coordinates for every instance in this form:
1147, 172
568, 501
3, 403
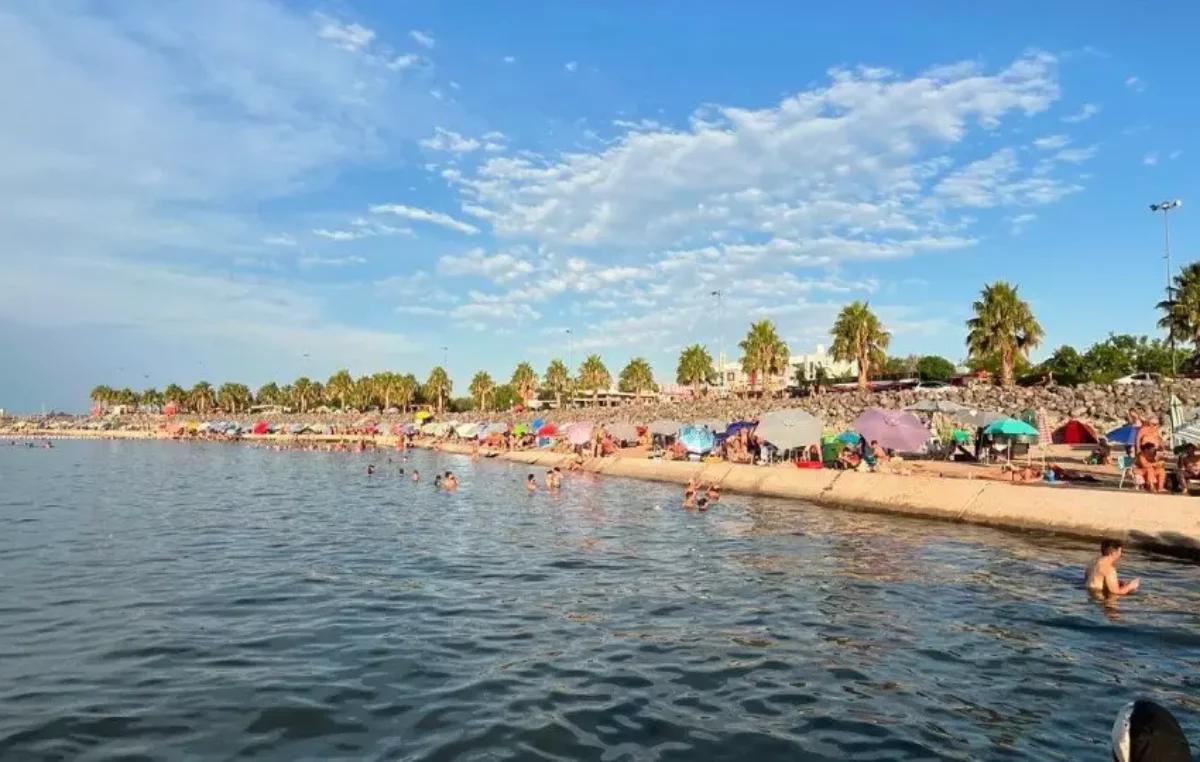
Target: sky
255, 190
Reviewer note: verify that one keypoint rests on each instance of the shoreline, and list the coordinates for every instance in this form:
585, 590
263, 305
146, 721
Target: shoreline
1161, 522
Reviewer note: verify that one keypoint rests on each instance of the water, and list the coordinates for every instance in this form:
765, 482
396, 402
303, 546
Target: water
174, 601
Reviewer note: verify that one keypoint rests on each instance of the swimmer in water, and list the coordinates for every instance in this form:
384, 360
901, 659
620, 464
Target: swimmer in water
1102, 572
370, 469
689, 498
416, 475
530, 483
401, 472
437, 482
451, 481
714, 493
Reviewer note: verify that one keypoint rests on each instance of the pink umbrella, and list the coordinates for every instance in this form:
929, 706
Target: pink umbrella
579, 433
894, 429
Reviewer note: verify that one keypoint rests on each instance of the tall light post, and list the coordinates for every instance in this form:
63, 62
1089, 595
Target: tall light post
720, 339
570, 362
1165, 207
444, 351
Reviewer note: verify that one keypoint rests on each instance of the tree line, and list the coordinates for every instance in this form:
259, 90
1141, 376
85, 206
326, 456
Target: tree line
1001, 333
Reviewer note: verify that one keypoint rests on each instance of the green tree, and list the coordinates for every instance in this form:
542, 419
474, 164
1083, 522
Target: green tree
859, 337
481, 387
103, 396
506, 397
227, 398
1181, 310
175, 393
525, 381
385, 384
935, 368
151, 398
202, 398
594, 376
339, 388
364, 397
636, 377
1003, 327
407, 387
1067, 365
764, 354
439, 387
558, 380
268, 394
695, 368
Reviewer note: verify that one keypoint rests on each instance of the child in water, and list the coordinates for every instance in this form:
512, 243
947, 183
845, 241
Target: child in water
437, 481
416, 475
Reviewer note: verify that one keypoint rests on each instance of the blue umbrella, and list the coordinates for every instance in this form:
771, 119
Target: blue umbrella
1126, 435
737, 426
697, 439
849, 437
537, 424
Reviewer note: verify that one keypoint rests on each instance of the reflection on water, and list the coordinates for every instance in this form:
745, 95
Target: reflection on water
210, 601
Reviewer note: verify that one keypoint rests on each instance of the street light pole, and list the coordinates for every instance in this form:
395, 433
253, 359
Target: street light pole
720, 339
1165, 207
570, 362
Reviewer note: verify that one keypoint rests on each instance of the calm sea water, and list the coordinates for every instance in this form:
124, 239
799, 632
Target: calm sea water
174, 601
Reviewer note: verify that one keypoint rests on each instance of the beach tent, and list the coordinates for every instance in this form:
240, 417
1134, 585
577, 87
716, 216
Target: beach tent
497, 428
893, 429
623, 432
1125, 435
1074, 432
467, 430
665, 428
170, 408
260, 428
579, 433
697, 439
789, 429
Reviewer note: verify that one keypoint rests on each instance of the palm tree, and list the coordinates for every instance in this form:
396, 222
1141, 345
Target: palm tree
304, 393
525, 381
438, 386
1003, 327
594, 376
695, 368
1181, 309
102, 396
339, 387
152, 398
363, 396
558, 380
227, 398
859, 337
636, 377
764, 354
201, 397
385, 383
268, 394
287, 396
175, 393
481, 386
407, 387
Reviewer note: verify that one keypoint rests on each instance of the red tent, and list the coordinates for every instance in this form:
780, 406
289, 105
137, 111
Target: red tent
170, 408
547, 430
260, 428
1075, 432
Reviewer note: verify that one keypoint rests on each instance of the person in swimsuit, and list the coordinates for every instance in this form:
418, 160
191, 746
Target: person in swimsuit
416, 475
1101, 577
530, 483
370, 468
451, 481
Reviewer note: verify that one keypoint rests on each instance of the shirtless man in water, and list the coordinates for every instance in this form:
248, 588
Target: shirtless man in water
1102, 573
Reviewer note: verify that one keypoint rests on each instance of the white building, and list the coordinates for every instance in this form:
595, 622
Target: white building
731, 379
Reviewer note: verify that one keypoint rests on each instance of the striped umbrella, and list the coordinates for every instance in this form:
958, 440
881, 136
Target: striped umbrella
1043, 427
1175, 414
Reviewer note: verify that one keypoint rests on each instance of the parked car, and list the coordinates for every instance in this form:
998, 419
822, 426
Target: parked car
932, 387
1139, 379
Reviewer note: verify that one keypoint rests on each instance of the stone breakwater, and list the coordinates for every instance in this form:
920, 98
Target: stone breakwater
1162, 522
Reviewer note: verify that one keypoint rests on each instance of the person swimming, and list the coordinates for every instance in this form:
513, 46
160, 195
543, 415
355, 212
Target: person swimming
370, 468
1101, 576
714, 493
416, 477
689, 498
437, 482
530, 483
451, 481
1147, 732
401, 473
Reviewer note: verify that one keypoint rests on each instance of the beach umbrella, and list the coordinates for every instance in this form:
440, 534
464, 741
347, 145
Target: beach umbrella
665, 428
623, 432
789, 429
261, 427
936, 406
893, 429
697, 439
1175, 415
521, 428
713, 425
1189, 433
579, 433
738, 426
497, 428
1124, 435
467, 430
849, 437
1010, 427
976, 418
537, 424
1045, 435
547, 430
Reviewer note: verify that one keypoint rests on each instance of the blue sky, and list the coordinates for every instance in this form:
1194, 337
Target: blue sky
254, 190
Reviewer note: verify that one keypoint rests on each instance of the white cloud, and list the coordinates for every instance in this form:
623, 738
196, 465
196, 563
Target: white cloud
423, 39
510, 59
1086, 112
571, 66
996, 181
338, 235
424, 215
352, 37
404, 61
1135, 84
1174, 155
311, 261
501, 268
1051, 142
1150, 159
1076, 155
282, 239
447, 140
483, 308
850, 160
1020, 222
419, 309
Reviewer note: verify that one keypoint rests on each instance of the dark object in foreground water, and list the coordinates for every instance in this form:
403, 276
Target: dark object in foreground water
1147, 732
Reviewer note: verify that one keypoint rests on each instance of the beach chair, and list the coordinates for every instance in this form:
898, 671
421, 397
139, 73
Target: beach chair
1125, 463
